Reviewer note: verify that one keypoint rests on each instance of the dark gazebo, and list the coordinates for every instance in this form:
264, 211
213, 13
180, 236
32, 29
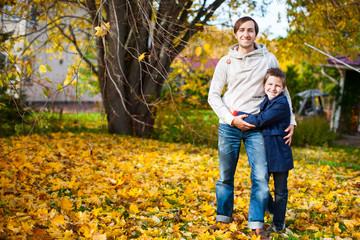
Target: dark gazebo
345, 115
311, 105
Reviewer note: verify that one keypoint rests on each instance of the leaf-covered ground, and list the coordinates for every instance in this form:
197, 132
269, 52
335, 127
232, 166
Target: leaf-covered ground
99, 186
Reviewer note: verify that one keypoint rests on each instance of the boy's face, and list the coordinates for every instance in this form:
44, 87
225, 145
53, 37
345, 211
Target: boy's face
273, 87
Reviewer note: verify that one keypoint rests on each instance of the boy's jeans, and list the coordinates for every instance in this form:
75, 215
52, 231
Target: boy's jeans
278, 208
229, 148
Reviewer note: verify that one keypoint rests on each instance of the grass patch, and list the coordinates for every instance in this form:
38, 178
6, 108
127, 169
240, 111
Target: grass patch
335, 156
198, 127
46, 122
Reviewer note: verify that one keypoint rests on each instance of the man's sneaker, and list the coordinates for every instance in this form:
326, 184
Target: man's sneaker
219, 226
214, 227
259, 232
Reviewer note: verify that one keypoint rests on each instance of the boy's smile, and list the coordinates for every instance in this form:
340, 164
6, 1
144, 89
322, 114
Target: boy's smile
273, 87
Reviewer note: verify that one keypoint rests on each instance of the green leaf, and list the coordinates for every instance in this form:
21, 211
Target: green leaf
46, 93
49, 147
10, 76
48, 68
17, 128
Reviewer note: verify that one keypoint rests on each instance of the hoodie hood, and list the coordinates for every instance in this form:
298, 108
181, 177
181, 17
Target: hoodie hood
260, 50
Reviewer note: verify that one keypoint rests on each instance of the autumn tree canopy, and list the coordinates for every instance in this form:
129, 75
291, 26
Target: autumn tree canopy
331, 26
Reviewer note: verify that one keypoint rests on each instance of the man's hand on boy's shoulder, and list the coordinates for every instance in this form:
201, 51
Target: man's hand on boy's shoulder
239, 123
290, 131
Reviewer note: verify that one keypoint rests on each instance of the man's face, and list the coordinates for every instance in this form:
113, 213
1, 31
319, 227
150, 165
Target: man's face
273, 86
246, 34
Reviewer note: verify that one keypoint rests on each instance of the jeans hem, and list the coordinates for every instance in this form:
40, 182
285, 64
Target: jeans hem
255, 225
223, 219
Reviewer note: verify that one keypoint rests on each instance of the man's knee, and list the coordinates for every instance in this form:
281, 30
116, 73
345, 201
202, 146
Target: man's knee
225, 181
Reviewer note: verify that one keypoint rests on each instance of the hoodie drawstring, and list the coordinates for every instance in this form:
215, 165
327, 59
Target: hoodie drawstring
267, 64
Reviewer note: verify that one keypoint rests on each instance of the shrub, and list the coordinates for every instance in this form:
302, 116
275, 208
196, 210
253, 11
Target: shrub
197, 126
12, 112
200, 127
313, 131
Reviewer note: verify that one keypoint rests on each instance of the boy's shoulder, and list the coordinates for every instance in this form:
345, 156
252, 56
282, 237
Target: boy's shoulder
280, 98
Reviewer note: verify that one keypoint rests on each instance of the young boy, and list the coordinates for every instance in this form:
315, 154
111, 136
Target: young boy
274, 118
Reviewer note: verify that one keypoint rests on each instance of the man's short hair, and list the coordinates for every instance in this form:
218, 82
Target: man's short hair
276, 72
240, 21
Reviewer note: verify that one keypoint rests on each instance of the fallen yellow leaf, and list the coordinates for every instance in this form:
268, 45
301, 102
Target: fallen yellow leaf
134, 209
67, 204
58, 220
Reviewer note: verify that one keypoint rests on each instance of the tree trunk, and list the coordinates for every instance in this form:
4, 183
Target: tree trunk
131, 86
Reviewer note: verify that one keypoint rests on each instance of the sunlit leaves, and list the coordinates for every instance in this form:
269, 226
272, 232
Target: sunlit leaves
102, 30
67, 80
198, 51
331, 26
60, 87
68, 32
206, 47
42, 69
145, 189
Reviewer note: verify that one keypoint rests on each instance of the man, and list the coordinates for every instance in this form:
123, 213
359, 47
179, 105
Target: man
242, 71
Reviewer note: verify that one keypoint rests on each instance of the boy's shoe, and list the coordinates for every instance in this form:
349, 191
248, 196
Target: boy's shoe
259, 232
272, 228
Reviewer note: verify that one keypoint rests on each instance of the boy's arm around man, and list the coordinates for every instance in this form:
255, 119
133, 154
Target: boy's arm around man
271, 112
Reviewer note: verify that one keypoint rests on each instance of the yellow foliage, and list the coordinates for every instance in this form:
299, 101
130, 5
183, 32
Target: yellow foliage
198, 51
350, 224
206, 47
142, 56
102, 30
67, 80
67, 204
134, 209
58, 220
146, 189
42, 69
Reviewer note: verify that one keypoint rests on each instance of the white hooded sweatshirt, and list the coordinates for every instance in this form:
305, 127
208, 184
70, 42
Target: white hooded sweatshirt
243, 76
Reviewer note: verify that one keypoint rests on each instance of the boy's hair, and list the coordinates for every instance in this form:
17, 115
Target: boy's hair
240, 21
276, 72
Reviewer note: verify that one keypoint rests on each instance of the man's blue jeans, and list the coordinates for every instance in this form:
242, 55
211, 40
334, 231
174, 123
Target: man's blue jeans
229, 149
278, 207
